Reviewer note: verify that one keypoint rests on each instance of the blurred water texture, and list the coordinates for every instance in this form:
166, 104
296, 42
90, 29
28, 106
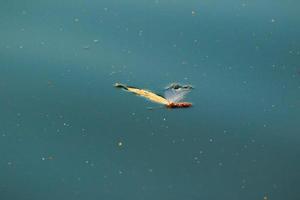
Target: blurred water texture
66, 133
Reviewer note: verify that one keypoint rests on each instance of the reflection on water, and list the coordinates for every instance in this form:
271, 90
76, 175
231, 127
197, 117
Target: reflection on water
66, 133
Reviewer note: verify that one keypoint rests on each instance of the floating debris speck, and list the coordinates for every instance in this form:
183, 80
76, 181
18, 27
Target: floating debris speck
120, 143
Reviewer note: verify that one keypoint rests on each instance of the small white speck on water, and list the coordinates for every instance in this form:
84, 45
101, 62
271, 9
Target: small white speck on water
76, 20
95, 41
184, 62
120, 143
140, 32
210, 140
86, 47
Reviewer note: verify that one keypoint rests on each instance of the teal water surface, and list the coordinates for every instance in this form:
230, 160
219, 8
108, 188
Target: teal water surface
67, 133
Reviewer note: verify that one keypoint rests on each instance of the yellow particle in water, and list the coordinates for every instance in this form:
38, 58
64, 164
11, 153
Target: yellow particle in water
50, 158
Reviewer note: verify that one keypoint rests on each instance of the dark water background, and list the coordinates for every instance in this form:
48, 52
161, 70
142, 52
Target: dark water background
66, 133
